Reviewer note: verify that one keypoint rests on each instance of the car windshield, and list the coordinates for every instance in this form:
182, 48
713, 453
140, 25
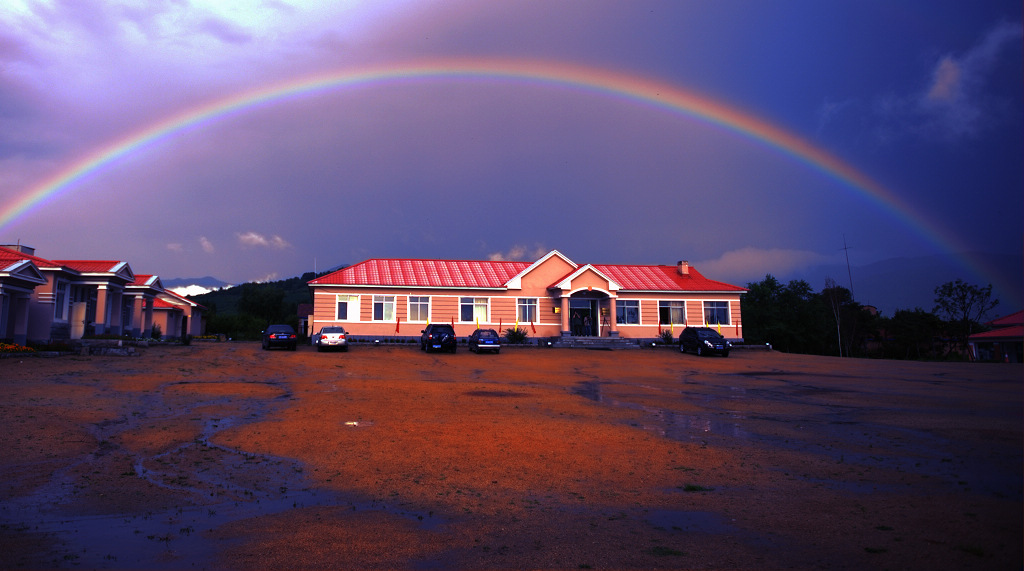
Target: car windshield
488, 334
444, 329
279, 329
708, 334
332, 330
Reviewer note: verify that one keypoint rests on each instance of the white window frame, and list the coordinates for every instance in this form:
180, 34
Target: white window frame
478, 303
420, 301
387, 302
530, 305
672, 301
352, 308
619, 304
728, 312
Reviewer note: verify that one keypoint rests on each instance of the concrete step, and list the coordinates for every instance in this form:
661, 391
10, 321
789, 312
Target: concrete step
595, 343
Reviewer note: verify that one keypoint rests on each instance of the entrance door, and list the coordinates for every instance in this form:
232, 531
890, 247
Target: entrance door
583, 317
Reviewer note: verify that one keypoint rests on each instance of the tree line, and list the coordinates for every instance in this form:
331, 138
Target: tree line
794, 318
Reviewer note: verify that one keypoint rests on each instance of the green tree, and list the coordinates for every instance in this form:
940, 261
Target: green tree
912, 334
963, 306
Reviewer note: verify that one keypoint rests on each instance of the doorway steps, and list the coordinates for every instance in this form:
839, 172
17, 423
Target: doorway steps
603, 343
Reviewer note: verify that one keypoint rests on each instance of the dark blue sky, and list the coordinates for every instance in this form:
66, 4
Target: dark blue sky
924, 97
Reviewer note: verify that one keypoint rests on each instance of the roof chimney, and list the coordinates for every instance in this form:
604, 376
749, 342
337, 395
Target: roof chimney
20, 248
684, 268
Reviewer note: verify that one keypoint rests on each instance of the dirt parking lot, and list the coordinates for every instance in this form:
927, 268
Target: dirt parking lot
223, 455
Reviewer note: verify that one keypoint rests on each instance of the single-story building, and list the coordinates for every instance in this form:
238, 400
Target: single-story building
1003, 343
551, 297
178, 316
45, 300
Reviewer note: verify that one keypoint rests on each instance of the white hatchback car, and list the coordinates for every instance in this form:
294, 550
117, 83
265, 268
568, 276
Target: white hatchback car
331, 337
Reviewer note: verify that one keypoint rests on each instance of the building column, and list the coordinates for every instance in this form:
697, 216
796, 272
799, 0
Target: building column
102, 311
116, 307
19, 311
147, 329
612, 321
566, 332
137, 315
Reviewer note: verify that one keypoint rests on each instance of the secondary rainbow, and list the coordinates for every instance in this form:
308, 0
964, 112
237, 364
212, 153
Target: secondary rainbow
646, 91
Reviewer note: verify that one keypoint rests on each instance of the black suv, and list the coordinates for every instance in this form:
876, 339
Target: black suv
703, 340
438, 336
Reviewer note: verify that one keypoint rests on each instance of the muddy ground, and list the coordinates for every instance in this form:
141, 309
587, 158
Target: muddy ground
223, 455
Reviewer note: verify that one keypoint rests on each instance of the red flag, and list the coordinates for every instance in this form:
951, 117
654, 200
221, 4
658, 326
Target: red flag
398, 324
534, 327
499, 327
453, 322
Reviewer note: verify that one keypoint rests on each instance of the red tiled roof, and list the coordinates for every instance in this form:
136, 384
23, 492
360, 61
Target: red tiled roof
1012, 332
1006, 320
425, 273
9, 256
661, 278
141, 279
164, 304
89, 266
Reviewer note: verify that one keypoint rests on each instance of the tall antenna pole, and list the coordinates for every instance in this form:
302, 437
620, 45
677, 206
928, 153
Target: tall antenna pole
848, 271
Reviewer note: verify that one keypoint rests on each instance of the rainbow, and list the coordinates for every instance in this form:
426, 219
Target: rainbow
646, 91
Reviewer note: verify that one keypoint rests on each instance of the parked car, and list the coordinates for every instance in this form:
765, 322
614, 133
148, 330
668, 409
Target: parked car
279, 336
703, 340
331, 337
438, 336
484, 340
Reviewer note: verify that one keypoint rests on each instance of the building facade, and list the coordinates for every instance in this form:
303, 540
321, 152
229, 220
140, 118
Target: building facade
551, 297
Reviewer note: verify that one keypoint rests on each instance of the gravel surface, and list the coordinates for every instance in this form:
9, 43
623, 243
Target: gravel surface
222, 455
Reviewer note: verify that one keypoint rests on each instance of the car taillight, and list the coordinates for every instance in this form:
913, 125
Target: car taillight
342, 336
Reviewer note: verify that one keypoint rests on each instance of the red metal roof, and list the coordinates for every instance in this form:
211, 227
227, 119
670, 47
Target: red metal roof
90, 266
661, 278
492, 274
425, 273
1012, 332
9, 256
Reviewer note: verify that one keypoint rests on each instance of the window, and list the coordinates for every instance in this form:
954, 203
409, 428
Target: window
673, 312
472, 309
383, 308
627, 311
526, 309
62, 291
419, 308
347, 308
716, 312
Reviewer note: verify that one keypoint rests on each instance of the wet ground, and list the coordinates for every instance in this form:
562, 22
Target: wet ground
384, 457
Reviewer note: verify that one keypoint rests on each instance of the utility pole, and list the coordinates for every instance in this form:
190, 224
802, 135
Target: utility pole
849, 273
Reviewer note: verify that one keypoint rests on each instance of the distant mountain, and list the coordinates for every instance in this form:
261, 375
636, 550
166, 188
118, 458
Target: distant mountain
194, 286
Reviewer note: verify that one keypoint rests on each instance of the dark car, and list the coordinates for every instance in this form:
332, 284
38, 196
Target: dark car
279, 336
484, 340
440, 337
331, 337
703, 340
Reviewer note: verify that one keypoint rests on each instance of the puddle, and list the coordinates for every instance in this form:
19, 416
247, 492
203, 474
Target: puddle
689, 521
213, 484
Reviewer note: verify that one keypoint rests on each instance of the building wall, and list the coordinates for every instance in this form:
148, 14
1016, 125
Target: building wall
502, 306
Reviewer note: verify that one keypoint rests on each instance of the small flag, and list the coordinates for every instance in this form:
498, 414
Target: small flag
719, 327
499, 327
398, 324
534, 327
478, 322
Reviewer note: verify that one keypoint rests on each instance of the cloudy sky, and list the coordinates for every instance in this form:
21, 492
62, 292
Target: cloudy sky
172, 134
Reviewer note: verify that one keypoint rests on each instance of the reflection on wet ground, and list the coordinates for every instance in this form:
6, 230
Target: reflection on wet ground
212, 484
825, 428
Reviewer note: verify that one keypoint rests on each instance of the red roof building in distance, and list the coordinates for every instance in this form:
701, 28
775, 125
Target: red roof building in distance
554, 295
1003, 343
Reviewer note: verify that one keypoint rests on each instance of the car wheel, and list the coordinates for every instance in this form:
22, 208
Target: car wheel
700, 351
496, 351
344, 348
682, 348
293, 347
725, 353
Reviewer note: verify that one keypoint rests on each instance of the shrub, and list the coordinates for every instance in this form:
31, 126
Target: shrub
515, 336
157, 332
666, 337
15, 348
